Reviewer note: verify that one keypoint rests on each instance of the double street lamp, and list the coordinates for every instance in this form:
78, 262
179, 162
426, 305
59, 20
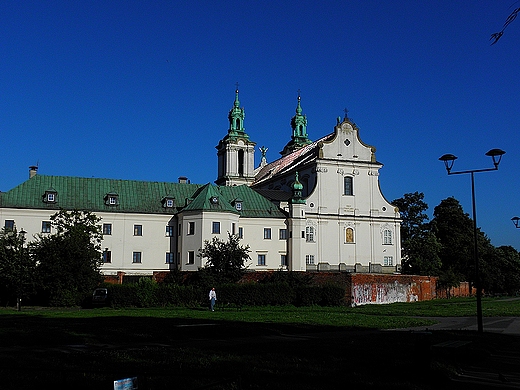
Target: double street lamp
449, 159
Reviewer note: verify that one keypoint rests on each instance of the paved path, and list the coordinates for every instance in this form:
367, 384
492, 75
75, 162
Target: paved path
506, 325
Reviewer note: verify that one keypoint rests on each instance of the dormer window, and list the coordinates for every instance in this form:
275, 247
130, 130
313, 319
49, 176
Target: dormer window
50, 196
237, 203
112, 199
168, 202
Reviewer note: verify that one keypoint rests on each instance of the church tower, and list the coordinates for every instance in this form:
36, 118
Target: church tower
236, 152
299, 131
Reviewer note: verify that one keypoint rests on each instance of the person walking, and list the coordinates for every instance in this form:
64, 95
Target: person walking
212, 298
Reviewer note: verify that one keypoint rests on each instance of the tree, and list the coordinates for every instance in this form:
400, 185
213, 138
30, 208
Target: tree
17, 267
454, 229
420, 247
512, 16
69, 261
225, 259
500, 270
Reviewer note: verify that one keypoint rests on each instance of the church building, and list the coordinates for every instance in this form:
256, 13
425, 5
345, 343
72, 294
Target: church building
318, 207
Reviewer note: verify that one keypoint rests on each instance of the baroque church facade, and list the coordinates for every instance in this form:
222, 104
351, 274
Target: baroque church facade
318, 207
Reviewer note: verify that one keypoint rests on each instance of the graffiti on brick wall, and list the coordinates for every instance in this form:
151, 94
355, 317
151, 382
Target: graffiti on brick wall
379, 293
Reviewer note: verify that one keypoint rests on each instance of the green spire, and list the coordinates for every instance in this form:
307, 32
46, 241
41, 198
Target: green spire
236, 119
297, 188
299, 131
299, 126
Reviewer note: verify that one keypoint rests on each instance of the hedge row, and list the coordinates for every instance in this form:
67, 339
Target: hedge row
150, 294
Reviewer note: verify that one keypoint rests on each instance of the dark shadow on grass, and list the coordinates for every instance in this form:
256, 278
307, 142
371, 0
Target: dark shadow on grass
164, 353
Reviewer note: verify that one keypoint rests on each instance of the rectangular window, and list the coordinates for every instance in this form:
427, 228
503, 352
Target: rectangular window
191, 228
309, 234
267, 233
51, 197
9, 224
388, 261
169, 231
240, 232
107, 229
261, 259
283, 260
387, 237
46, 226
107, 257
191, 257
283, 234
112, 200
137, 257
309, 259
215, 229
348, 186
233, 228
170, 258
169, 203
138, 230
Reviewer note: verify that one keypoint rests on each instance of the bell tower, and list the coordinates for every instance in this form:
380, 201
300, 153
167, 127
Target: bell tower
299, 131
236, 152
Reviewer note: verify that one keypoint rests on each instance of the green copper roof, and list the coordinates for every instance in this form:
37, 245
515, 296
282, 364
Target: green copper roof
135, 197
91, 194
224, 199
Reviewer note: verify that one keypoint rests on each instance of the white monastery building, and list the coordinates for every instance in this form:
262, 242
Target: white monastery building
318, 207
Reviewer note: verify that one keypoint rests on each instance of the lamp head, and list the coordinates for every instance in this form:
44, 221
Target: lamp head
516, 221
448, 160
496, 155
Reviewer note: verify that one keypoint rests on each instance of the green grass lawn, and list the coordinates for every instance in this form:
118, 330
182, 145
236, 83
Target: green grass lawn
253, 348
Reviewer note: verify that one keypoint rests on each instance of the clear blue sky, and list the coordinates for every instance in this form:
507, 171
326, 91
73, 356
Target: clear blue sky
140, 90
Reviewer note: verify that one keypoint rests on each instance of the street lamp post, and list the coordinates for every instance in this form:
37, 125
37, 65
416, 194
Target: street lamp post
449, 159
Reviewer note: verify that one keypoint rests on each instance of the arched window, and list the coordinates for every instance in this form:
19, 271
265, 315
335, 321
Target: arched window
237, 124
241, 163
349, 235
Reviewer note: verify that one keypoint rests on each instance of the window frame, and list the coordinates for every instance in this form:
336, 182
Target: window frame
170, 258
107, 257
388, 261
262, 259
309, 259
282, 234
191, 228
137, 257
348, 186
107, 229
387, 237
169, 231
138, 230
267, 233
310, 233
46, 226
191, 258
9, 224
215, 227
